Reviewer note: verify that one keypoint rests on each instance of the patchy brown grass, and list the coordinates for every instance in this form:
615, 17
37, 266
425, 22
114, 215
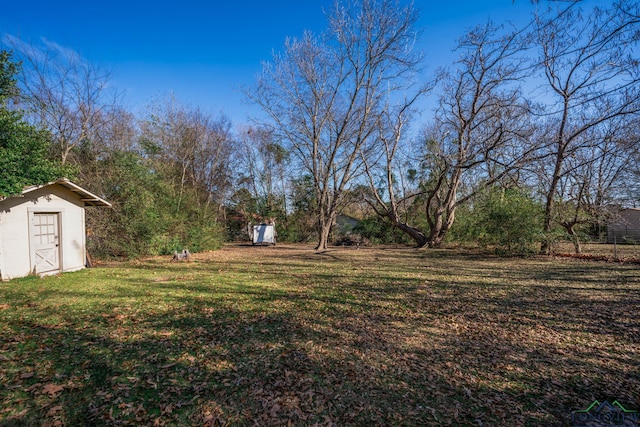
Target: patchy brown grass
602, 251
287, 336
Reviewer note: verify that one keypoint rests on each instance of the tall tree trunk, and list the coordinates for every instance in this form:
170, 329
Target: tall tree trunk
324, 230
576, 245
574, 237
545, 247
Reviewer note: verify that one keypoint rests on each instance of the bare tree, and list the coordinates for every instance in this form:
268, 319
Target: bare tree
325, 93
197, 146
63, 93
481, 128
265, 168
388, 193
118, 134
630, 193
594, 175
590, 79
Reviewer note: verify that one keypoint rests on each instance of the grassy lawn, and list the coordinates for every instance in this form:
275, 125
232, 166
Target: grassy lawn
286, 336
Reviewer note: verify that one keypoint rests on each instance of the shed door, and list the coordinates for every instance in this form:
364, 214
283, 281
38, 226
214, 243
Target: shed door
45, 238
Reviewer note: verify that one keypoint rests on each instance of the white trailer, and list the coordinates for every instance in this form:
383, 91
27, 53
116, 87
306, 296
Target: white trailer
263, 233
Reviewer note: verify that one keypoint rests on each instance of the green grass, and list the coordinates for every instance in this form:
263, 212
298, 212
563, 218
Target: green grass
285, 336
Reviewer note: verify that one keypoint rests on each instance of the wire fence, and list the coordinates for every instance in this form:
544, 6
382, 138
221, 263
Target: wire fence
618, 244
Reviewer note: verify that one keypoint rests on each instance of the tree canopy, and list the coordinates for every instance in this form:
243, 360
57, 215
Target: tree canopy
24, 149
541, 119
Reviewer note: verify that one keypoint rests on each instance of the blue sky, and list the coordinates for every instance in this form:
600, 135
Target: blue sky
205, 51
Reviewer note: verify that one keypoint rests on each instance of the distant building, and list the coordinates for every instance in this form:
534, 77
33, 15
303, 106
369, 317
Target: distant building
625, 227
345, 225
42, 231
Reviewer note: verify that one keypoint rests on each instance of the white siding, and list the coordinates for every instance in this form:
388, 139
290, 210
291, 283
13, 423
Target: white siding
14, 227
15, 216
264, 233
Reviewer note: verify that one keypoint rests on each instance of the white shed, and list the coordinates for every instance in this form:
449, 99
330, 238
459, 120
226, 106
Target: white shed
42, 231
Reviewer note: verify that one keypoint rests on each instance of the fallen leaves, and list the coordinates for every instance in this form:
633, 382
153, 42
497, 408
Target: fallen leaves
298, 339
54, 411
52, 389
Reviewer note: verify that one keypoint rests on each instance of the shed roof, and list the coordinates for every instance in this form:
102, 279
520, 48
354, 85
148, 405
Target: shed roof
88, 198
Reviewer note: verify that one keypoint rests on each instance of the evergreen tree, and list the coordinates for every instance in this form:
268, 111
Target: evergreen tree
24, 149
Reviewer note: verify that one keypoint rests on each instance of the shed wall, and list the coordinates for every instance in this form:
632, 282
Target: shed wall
15, 216
626, 227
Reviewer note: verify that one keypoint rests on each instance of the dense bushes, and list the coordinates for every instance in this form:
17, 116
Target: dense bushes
379, 231
149, 216
509, 220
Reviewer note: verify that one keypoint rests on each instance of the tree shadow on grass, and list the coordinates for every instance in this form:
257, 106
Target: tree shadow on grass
374, 349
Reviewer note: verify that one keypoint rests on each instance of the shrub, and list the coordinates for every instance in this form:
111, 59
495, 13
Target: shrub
508, 219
